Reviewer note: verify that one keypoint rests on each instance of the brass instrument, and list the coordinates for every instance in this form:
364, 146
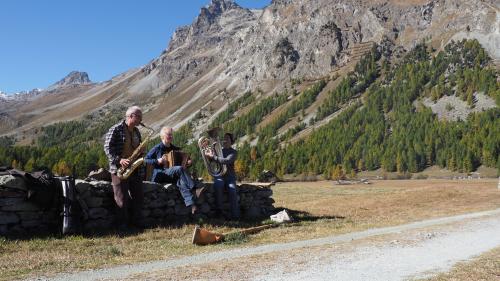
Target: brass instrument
213, 144
124, 173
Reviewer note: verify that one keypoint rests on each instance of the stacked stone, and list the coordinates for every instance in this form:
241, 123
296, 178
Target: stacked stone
163, 204
19, 216
96, 203
255, 200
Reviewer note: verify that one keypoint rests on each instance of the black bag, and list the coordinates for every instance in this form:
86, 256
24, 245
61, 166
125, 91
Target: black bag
42, 189
70, 211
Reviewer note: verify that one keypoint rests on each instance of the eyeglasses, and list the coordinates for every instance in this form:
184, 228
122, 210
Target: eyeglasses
136, 115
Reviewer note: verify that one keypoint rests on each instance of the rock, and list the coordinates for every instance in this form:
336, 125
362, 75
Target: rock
82, 186
149, 186
11, 193
264, 193
181, 210
13, 182
252, 213
98, 224
94, 202
157, 204
171, 203
268, 176
100, 175
73, 78
161, 204
205, 208
98, 213
171, 188
8, 201
158, 213
30, 223
24, 206
29, 215
145, 213
8, 218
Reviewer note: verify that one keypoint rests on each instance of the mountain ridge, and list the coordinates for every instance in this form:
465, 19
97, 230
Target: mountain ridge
229, 49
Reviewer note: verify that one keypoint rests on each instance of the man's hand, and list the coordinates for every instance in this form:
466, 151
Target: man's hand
209, 154
124, 162
160, 161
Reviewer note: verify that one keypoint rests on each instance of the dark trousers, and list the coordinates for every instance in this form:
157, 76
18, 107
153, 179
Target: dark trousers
181, 177
128, 193
227, 181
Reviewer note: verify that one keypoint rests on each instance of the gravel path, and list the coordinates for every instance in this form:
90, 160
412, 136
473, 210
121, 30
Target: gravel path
471, 235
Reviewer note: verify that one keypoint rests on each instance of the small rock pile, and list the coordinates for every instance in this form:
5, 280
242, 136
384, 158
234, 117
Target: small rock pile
163, 204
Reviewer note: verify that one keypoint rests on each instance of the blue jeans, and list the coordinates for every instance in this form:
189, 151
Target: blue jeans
228, 181
184, 181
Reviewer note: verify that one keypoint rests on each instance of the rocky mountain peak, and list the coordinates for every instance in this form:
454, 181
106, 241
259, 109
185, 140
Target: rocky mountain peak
210, 13
220, 6
74, 78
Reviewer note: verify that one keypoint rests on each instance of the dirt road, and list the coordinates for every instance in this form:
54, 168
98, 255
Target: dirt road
407, 251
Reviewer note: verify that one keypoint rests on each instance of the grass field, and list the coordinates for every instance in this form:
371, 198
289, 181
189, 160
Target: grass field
319, 208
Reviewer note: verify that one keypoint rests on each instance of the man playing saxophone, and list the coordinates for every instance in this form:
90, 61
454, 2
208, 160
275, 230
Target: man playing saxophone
121, 141
177, 174
228, 179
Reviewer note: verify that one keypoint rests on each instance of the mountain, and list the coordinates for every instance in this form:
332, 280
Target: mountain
231, 49
72, 79
204, 73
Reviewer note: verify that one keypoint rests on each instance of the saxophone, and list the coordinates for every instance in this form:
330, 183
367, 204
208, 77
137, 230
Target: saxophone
124, 173
213, 144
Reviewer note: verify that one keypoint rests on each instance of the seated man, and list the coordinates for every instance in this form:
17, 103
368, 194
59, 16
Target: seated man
228, 180
176, 174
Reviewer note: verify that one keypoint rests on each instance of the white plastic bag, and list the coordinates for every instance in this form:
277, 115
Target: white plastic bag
281, 217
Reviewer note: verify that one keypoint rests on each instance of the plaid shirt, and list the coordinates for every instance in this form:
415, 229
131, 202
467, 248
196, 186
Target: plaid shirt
113, 145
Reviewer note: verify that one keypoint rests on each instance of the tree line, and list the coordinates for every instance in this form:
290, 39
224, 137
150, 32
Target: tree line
389, 129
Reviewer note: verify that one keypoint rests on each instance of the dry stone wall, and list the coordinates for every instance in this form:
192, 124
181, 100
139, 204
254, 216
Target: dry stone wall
163, 205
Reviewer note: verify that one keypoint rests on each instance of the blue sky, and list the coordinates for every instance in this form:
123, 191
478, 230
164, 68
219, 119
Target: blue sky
41, 41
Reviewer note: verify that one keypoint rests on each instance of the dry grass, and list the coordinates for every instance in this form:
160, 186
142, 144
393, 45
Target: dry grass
320, 209
484, 267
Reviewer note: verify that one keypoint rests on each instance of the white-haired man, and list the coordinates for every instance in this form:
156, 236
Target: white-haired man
176, 174
121, 141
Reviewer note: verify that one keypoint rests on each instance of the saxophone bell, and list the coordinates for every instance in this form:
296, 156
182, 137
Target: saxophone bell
135, 160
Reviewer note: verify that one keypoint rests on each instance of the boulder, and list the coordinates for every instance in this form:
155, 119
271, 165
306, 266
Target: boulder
7, 218
11, 181
99, 175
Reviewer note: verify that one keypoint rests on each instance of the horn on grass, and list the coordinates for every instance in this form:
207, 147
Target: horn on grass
202, 236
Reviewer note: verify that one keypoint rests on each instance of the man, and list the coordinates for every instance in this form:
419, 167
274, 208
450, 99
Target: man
178, 174
121, 141
228, 180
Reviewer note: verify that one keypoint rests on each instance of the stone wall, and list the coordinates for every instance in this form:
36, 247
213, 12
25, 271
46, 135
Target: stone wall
163, 205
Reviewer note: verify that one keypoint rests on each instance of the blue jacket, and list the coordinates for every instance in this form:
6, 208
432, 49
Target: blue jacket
157, 152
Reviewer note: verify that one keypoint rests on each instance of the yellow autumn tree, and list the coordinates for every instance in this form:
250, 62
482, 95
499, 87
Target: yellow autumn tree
241, 169
61, 168
338, 173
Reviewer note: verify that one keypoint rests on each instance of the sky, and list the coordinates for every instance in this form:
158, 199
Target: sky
41, 41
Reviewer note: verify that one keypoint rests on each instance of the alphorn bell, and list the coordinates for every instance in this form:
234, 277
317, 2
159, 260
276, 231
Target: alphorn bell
202, 236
